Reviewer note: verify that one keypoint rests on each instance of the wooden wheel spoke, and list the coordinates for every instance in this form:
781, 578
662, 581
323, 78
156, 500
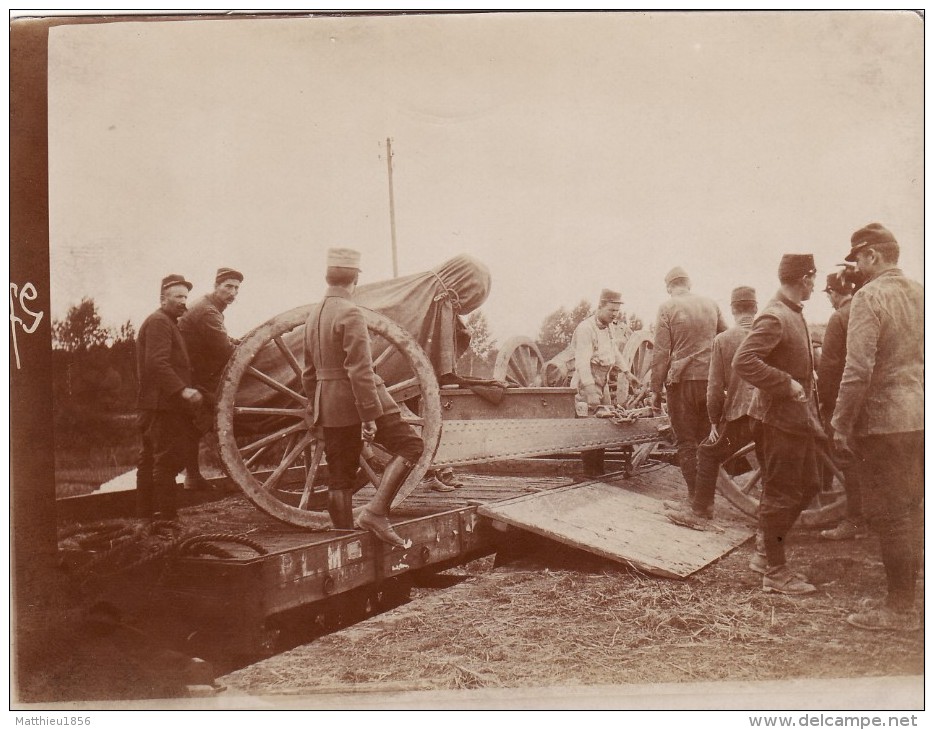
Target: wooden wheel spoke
291, 455
289, 356
260, 411
253, 459
312, 472
384, 355
272, 438
403, 385
276, 385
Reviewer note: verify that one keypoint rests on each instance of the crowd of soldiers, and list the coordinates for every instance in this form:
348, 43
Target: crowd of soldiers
757, 382
724, 387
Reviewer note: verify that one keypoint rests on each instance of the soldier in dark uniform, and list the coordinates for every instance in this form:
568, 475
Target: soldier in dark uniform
349, 401
209, 348
684, 330
729, 401
776, 357
879, 419
165, 403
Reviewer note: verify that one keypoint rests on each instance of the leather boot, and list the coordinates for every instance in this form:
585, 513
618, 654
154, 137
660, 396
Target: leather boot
340, 508
375, 516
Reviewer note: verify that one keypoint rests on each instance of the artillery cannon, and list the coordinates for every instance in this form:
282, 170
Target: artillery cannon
269, 448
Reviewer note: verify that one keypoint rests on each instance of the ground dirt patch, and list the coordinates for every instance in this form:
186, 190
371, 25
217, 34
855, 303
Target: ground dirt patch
552, 616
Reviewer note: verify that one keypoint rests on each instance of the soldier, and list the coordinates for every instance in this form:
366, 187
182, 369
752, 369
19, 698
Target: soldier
684, 332
879, 419
165, 403
596, 353
209, 348
776, 357
729, 401
348, 400
840, 289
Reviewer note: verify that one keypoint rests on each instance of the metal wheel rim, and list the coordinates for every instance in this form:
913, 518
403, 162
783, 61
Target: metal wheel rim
519, 363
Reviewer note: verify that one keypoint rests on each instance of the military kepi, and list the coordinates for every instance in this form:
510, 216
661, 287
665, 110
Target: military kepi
345, 258
676, 273
173, 279
874, 233
223, 274
743, 294
608, 296
796, 265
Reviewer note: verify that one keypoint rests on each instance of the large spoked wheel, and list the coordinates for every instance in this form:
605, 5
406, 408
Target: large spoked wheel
268, 445
740, 481
519, 363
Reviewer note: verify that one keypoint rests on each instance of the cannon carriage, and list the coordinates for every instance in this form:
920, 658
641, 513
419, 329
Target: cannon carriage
272, 451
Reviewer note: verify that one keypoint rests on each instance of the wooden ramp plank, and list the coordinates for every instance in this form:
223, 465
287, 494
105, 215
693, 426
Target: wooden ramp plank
619, 524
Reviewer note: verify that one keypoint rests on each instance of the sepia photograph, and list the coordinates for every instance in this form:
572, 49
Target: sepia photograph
468, 360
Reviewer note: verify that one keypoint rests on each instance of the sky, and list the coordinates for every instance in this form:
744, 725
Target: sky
567, 151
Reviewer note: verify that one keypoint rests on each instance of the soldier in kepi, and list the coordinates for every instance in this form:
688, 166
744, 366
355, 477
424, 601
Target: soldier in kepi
776, 357
349, 401
596, 352
166, 402
729, 401
209, 348
879, 420
684, 332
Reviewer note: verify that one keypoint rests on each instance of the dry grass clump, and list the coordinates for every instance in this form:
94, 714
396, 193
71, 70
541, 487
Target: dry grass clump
550, 627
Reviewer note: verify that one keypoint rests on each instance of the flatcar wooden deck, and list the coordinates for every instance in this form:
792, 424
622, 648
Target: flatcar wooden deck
237, 601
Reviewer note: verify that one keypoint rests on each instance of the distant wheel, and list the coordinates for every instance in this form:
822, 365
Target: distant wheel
740, 481
637, 354
268, 445
519, 363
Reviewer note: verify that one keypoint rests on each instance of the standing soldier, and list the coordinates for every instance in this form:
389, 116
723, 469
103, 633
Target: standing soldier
209, 348
776, 357
165, 403
596, 352
879, 419
684, 332
729, 401
840, 288
348, 400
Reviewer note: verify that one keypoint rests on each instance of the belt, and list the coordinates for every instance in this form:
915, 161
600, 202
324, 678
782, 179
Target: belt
331, 374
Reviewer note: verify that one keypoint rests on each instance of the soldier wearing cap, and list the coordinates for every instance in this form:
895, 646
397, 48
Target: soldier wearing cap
879, 418
776, 357
209, 348
596, 352
841, 285
165, 402
729, 403
348, 400
684, 330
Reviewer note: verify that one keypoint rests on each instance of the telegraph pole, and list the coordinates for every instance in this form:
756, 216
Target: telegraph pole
392, 209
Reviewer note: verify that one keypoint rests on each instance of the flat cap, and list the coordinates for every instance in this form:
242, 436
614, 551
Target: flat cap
610, 296
743, 294
796, 265
173, 279
345, 258
676, 273
223, 274
874, 233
